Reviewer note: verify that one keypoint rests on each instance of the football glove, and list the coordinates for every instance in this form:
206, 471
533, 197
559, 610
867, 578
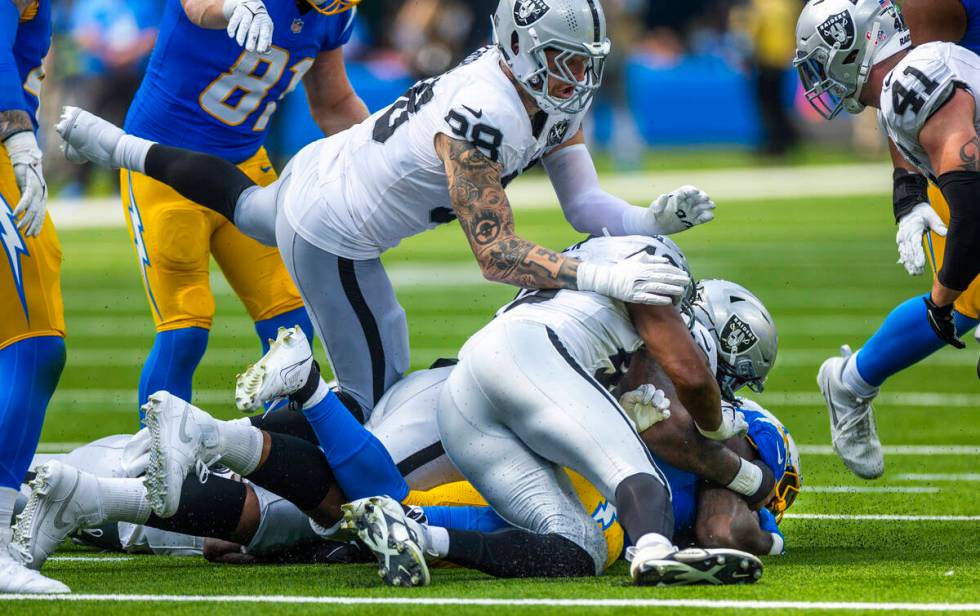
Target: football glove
680, 210
911, 227
249, 24
732, 424
25, 157
643, 279
645, 406
942, 323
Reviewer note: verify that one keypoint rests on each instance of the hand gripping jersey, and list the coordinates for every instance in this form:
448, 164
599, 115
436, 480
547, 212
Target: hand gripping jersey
203, 92
917, 87
596, 329
362, 191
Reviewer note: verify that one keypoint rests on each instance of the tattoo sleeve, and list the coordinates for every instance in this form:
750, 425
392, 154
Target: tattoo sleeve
14, 121
970, 155
481, 205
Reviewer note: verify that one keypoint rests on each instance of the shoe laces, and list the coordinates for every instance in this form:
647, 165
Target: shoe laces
859, 422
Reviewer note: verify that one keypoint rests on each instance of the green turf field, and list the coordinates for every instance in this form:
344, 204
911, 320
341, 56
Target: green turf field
825, 269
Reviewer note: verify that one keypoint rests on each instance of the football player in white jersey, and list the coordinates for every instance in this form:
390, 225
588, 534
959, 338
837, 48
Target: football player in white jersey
857, 53
443, 151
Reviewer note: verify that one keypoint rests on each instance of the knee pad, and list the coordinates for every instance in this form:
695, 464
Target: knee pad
281, 525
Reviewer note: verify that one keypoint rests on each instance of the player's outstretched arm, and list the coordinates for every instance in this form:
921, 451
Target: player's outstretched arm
950, 139
480, 202
590, 209
247, 21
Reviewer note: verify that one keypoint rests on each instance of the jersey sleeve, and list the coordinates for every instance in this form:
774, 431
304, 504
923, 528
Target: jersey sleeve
915, 90
486, 122
11, 88
342, 31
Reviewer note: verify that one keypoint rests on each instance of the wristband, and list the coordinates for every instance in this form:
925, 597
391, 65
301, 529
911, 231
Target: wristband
908, 190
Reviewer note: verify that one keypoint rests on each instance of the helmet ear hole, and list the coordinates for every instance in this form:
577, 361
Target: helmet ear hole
851, 57
515, 43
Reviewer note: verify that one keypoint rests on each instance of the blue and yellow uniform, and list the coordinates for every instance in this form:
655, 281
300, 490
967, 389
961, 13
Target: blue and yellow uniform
205, 93
32, 322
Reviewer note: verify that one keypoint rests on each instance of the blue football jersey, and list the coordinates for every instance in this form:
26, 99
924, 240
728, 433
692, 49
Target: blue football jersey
971, 40
203, 92
24, 42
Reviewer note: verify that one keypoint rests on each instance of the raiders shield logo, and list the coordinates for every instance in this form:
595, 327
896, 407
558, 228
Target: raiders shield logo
526, 12
838, 30
736, 336
557, 133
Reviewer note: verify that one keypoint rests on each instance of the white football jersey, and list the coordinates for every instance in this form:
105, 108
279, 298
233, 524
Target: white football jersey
596, 330
917, 87
360, 192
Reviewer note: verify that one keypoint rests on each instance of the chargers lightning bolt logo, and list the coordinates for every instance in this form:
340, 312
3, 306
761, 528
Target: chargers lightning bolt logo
144, 257
13, 245
604, 515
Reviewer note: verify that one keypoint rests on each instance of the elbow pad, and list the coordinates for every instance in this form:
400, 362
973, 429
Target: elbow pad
961, 260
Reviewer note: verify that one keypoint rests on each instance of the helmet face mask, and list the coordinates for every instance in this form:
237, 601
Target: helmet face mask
332, 7
824, 93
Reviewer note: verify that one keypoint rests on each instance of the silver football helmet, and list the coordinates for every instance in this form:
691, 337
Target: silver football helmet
837, 43
573, 30
745, 333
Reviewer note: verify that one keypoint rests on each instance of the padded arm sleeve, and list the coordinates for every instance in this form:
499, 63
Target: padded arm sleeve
961, 260
587, 207
11, 88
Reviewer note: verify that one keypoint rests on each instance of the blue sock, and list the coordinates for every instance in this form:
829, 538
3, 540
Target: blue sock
172, 362
904, 339
360, 463
29, 373
268, 328
483, 519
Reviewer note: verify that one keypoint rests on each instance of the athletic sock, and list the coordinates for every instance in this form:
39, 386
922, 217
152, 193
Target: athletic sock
655, 541
8, 498
853, 380
515, 552
904, 339
362, 465
295, 470
437, 541
211, 509
482, 519
240, 445
123, 500
268, 329
130, 153
171, 364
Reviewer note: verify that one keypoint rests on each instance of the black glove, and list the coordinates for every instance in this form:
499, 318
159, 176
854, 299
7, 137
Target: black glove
941, 321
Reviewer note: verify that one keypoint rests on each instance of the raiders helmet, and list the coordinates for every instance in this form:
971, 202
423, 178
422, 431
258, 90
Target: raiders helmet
837, 43
525, 30
746, 334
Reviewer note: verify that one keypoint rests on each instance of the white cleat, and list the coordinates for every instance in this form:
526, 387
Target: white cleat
282, 371
15, 578
63, 499
653, 566
88, 137
852, 422
397, 541
181, 437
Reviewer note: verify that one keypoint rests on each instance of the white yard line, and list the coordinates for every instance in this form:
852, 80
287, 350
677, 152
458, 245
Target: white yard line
903, 450
869, 490
880, 517
938, 477
554, 603
91, 559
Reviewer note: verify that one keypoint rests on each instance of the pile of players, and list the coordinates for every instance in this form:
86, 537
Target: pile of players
595, 416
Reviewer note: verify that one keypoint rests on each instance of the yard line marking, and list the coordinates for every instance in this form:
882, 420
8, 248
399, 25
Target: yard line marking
902, 450
884, 517
460, 601
938, 477
870, 490
91, 559
894, 398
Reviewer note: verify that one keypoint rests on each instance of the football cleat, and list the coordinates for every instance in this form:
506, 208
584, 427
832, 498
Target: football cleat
852, 422
63, 499
398, 541
15, 578
653, 567
88, 137
182, 436
282, 371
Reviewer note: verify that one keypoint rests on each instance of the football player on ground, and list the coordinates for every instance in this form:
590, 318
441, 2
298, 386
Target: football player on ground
443, 151
852, 55
203, 91
32, 325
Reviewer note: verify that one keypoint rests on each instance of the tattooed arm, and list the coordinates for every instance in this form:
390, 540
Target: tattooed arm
14, 121
484, 212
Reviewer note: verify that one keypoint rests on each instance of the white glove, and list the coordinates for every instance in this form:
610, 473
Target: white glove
911, 227
732, 424
646, 405
25, 157
643, 279
249, 24
682, 209
136, 454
